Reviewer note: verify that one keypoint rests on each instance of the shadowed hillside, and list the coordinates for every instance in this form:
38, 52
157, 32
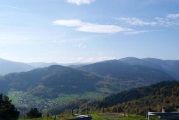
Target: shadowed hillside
134, 101
169, 66
127, 73
50, 81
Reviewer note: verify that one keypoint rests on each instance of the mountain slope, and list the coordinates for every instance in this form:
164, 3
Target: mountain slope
135, 101
61, 84
7, 66
111, 76
169, 66
141, 92
50, 81
127, 73
150, 98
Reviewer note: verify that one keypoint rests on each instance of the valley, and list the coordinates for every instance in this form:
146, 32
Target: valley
109, 59
108, 84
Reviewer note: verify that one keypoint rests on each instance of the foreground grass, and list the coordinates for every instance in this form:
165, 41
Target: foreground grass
130, 117
94, 116
37, 119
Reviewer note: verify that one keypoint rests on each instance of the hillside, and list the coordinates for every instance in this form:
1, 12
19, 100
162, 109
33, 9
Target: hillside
166, 96
135, 75
7, 66
134, 101
166, 88
50, 81
51, 86
169, 66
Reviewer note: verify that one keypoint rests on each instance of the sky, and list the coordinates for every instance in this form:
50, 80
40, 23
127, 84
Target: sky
80, 31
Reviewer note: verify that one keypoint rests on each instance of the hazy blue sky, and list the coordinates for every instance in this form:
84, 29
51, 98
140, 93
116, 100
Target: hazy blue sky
67, 31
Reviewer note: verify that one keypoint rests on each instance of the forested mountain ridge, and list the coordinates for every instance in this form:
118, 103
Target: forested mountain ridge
127, 73
169, 66
60, 84
113, 76
50, 81
165, 88
167, 96
134, 101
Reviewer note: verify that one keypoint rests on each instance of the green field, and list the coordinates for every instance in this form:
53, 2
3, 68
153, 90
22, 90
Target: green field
24, 99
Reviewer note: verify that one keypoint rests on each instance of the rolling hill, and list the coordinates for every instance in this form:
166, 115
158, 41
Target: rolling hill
50, 81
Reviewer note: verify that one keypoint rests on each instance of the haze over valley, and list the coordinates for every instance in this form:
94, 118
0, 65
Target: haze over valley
56, 84
109, 59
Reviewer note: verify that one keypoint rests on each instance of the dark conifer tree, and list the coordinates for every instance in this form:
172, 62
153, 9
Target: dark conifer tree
7, 109
34, 113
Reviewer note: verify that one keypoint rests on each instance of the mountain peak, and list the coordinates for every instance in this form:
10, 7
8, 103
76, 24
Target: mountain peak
130, 58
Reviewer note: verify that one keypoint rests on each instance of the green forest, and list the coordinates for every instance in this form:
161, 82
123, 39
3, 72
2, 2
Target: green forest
133, 103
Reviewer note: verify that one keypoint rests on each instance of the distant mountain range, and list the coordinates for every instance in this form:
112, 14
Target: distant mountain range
169, 66
110, 76
7, 66
122, 71
103, 77
84, 81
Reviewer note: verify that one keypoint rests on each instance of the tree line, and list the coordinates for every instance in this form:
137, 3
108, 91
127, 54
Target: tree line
9, 112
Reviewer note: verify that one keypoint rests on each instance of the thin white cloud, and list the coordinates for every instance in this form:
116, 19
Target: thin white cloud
168, 20
91, 27
80, 2
96, 28
139, 32
73, 22
173, 16
135, 21
12, 7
